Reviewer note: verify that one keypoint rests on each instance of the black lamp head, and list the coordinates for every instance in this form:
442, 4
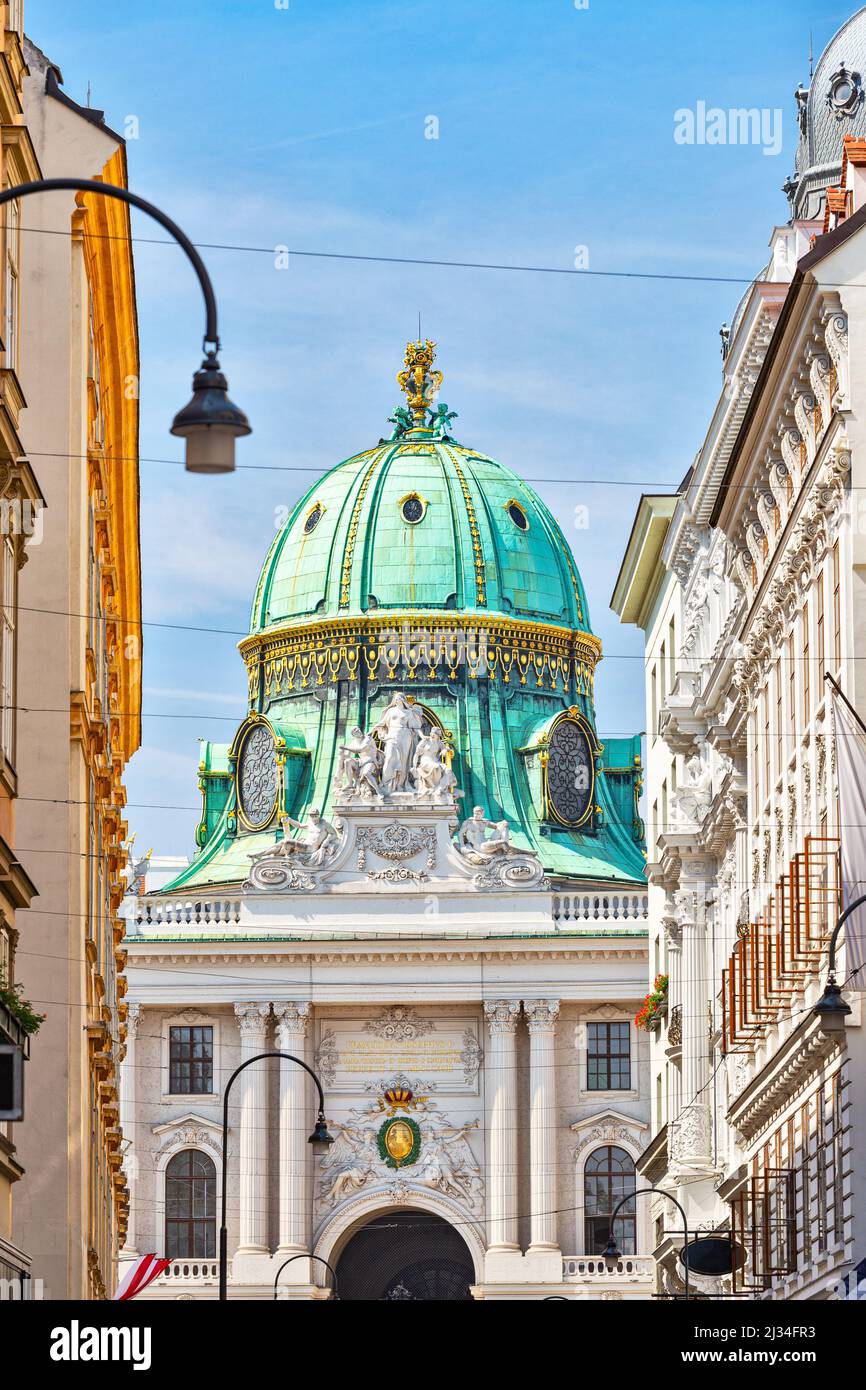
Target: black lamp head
611, 1253
210, 423
831, 1007
320, 1138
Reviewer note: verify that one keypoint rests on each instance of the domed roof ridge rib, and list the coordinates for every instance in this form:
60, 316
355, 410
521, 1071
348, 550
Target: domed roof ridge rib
488, 516
345, 594
452, 487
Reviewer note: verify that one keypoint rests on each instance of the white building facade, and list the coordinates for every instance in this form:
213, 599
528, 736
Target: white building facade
758, 1099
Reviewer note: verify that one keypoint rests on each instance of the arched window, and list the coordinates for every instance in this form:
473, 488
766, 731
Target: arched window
607, 1177
190, 1206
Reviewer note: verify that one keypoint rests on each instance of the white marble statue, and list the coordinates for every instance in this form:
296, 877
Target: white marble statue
431, 773
694, 797
474, 843
398, 730
359, 772
317, 845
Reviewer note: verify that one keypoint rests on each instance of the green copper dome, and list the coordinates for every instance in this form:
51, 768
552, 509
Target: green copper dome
420, 523
425, 567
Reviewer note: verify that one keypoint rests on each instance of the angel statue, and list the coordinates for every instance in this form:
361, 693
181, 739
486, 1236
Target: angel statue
319, 840
401, 420
349, 1162
440, 422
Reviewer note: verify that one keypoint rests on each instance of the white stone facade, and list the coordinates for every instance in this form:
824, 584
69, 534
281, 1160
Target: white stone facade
756, 568
473, 995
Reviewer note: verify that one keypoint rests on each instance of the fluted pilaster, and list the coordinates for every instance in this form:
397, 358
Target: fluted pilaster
296, 1121
501, 1080
541, 1016
253, 1146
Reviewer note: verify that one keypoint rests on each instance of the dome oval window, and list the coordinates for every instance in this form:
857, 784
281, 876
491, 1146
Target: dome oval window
518, 515
412, 508
314, 516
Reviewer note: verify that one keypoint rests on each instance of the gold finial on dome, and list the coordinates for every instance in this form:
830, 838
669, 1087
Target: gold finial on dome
418, 379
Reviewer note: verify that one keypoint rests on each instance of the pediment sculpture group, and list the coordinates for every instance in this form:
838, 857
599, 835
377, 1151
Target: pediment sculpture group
398, 762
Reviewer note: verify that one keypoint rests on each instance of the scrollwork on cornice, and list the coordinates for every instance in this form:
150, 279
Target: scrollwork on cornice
836, 339
812, 537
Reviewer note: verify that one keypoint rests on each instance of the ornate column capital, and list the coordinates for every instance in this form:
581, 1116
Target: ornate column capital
501, 1015
541, 1014
292, 1016
133, 1021
252, 1017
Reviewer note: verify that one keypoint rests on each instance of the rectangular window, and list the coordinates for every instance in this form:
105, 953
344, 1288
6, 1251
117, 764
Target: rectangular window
7, 653
780, 722
608, 1057
765, 701
191, 1061
807, 668
837, 611
820, 653
663, 669
654, 703
792, 689
672, 652
10, 288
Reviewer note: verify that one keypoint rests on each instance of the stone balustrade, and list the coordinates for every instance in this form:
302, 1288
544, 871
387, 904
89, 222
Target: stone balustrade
600, 907
579, 1268
227, 912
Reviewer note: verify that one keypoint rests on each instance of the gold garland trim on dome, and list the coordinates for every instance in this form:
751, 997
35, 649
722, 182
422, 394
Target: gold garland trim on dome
419, 646
478, 554
348, 553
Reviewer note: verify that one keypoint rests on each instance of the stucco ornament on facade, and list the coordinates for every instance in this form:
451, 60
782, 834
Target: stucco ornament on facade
445, 1160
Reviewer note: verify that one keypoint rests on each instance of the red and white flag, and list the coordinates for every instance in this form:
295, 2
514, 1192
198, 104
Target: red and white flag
142, 1273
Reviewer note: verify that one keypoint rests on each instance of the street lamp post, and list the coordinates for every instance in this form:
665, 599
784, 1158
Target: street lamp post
210, 422
831, 1005
612, 1254
320, 1139
304, 1256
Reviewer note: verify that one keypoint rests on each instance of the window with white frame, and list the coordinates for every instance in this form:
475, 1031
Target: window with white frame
608, 1177
9, 580
608, 1056
190, 1206
10, 288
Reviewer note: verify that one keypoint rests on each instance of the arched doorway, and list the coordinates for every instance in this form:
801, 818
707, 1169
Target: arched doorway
405, 1256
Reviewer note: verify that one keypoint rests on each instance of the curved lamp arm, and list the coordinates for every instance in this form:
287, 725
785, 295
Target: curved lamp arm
320, 1123
613, 1254
305, 1256
110, 190
210, 423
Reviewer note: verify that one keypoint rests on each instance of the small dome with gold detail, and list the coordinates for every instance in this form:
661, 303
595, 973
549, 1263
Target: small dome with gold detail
420, 521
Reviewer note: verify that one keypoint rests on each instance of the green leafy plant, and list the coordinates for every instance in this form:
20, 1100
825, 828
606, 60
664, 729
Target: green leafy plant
21, 1009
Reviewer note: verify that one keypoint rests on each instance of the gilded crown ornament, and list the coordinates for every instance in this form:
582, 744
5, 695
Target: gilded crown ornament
419, 380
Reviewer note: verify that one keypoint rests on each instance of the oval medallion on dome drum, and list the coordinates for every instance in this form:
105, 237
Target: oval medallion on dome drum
569, 774
257, 778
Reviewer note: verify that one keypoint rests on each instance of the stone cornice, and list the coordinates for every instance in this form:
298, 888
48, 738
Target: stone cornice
155, 955
778, 1082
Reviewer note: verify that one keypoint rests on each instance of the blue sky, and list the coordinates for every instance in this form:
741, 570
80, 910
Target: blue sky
260, 126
